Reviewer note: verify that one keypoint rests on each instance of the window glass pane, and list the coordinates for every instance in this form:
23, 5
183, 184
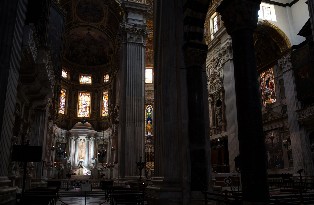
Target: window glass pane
268, 87
148, 75
62, 101
64, 74
215, 24
149, 119
84, 101
85, 79
106, 78
105, 104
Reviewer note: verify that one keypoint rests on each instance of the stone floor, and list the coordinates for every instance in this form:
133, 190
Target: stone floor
81, 201
75, 197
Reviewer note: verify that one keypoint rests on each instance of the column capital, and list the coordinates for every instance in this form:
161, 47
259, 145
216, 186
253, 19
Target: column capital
239, 14
194, 54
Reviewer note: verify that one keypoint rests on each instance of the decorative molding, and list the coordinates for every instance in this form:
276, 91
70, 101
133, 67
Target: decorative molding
134, 33
214, 65
281, 4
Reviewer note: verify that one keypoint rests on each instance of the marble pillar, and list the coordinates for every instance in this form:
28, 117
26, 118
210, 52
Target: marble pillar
311, 10
131, 135
301, 151
171, 184
195, 58
76, 139
38, 135
86, 162
240, 20
12, 15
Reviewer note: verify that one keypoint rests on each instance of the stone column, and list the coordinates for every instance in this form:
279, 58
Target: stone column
131, 139
76, 139
87, 152
240, 20
311, 10
38, 133
12, 15
195, 58
301, 152
172, 154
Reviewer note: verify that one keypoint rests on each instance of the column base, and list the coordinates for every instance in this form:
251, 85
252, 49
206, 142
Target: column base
7, 193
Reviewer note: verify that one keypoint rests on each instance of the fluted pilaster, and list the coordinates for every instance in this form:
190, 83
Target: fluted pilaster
301, 153
131, 139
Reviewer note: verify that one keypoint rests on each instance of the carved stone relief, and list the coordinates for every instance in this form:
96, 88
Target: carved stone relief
214, 69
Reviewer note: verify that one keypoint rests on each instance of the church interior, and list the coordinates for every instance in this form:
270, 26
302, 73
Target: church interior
156, 102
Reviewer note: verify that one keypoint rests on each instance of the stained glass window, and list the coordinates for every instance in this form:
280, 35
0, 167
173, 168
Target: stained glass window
267, 84
85, 79
62, 101
64, 74
148, 75
149, 119
106, 78
84, 101
105, 104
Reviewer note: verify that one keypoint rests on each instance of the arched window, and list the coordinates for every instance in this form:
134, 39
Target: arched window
84, 102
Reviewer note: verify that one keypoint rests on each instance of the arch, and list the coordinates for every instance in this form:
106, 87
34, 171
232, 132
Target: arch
268, 38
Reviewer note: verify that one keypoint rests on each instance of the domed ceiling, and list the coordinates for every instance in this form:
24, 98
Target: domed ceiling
91, 32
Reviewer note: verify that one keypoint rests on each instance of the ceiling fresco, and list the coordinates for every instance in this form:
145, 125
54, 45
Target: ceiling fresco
91, 33
87, 47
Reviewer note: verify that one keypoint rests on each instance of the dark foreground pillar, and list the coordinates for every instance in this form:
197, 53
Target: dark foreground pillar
240, 19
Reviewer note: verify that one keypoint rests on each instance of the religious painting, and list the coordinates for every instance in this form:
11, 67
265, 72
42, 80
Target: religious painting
267, 86
62, 103
84, 102
105, 104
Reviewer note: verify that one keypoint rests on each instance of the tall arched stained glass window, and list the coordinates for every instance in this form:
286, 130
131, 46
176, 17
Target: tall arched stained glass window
267, 84
149, 120
62, 102
84, 102
105, 104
